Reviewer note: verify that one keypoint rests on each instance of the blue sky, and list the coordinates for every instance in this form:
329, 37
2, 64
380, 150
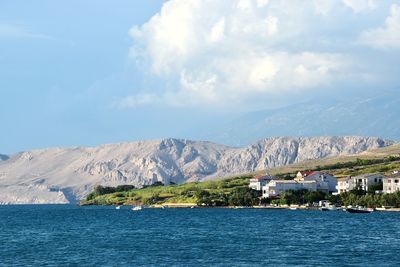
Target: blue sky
91, 72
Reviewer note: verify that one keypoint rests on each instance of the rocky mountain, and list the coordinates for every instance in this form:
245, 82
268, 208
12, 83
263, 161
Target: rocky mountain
376, 115
65, 175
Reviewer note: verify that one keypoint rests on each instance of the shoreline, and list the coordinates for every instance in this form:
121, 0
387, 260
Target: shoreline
194, 205
269, 207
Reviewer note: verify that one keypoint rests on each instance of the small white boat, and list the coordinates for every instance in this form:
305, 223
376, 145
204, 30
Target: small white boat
137, 208
118, 207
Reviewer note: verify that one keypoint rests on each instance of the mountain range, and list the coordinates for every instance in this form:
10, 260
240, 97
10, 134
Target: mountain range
371, 115
66, 175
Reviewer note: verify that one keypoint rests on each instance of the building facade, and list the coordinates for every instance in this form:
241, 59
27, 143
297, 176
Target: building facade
391, 184
258, 182
276, 187
344, 185
362, 181
325, 181
366, 180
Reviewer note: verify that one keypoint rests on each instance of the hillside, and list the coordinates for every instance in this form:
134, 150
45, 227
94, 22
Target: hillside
59, 175
231, 191
324, 163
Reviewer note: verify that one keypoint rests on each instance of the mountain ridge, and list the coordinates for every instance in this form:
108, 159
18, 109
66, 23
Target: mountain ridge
65, 175
377, 114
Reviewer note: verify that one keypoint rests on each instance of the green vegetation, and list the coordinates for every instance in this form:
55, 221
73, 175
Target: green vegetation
103, 190
356, 197
299, 197
239, 196
232, 191
362, 198
383, 165
358, 162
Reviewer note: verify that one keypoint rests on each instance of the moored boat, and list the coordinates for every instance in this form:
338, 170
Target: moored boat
359, 210
137, 208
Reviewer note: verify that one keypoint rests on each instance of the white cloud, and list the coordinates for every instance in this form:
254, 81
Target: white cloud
323, 7
11, 31
388, 36
360, 5
262, 3
222, 52
218, 30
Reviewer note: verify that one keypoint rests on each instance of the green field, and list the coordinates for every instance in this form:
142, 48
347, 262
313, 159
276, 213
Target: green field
183, 193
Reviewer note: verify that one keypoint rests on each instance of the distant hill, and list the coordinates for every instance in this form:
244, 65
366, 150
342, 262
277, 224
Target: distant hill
4, 157
372, 116
374, 154
59, 175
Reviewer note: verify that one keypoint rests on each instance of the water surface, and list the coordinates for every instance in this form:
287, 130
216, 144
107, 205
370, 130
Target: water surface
103, 236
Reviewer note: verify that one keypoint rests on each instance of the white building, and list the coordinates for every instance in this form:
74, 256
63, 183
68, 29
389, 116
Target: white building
345, 185
363, 181
391, 184
366, 180
325, 181
277, 187
258, 182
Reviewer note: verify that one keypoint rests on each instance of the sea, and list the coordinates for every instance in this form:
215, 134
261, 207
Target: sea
68, 235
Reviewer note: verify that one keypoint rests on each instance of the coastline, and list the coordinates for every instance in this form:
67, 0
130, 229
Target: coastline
269, 207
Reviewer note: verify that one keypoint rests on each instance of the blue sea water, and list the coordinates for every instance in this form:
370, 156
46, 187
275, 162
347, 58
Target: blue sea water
103, 236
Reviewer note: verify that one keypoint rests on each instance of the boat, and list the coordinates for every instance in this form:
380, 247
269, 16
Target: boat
118, 207
137, 208
332, 208
359, 210
328, 207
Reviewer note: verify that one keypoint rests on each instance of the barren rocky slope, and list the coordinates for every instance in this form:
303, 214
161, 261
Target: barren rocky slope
60, 175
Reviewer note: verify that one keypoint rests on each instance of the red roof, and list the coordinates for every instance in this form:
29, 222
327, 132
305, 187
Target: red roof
262, 177
308, 173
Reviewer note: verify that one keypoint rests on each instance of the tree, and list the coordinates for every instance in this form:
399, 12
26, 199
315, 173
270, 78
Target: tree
243, 196
375, 187
203, 198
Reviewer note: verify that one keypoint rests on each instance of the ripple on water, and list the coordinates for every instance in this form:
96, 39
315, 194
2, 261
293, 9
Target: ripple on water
69, 235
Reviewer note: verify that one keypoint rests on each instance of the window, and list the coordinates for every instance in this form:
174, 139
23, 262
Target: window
376, 180
396, 181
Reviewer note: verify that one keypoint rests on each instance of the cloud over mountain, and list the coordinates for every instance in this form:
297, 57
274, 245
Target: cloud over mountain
224, 52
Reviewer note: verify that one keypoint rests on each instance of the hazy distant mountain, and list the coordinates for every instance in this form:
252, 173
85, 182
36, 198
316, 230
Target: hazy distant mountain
373, 116
3, 157
59, 175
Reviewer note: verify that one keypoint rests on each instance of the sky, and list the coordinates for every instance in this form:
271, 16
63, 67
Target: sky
90, 72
